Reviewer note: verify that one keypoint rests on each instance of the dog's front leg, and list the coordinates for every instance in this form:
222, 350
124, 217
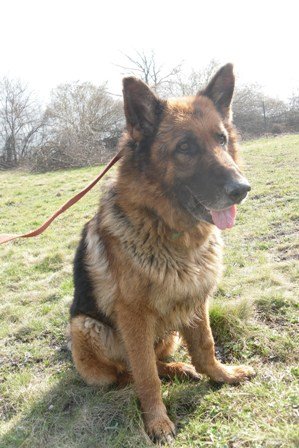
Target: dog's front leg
137, 330
201, 347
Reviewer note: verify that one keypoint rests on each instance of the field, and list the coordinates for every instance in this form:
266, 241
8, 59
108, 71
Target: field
44, 403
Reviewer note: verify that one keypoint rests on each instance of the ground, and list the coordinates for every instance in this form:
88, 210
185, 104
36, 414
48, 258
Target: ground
44, 403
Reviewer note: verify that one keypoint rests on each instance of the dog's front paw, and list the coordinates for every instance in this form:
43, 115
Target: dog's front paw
187, 371
179, 370
161, 430
231, 374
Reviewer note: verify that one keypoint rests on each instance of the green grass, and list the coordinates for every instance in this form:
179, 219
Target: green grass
254, 315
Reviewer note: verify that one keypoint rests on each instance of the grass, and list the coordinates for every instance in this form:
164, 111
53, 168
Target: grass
254, 315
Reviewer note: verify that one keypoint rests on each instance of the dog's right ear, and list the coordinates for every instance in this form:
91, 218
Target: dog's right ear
142, 108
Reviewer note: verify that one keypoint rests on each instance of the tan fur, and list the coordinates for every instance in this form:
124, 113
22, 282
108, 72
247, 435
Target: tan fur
98, 268
153, 269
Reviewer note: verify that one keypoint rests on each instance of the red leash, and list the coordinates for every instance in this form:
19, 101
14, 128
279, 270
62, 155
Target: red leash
4, 238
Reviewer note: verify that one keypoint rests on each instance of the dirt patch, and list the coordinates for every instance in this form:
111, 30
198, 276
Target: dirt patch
287, 253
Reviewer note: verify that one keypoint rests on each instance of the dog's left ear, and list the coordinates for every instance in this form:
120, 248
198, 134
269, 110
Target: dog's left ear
142, 108
220, 90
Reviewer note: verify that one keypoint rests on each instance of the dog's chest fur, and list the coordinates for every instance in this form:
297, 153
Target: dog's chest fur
156, 269
184, 282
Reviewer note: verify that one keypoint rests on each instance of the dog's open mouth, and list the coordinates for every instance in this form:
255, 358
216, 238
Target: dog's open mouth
224, 219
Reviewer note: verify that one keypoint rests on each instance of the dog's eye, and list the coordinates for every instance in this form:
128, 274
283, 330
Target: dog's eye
187, 147
222, 139
183, 147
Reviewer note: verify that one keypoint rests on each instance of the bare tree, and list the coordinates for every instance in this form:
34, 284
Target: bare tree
293, 112
256, 113
82, 120
146, 67
248, 110
21, 121
190, 84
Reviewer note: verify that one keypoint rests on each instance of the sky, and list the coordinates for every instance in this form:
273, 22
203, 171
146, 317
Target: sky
48, 42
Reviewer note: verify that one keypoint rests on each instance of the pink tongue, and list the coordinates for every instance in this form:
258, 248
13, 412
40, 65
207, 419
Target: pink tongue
224, 219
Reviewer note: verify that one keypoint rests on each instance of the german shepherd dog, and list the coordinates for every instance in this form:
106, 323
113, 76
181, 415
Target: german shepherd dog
150, 258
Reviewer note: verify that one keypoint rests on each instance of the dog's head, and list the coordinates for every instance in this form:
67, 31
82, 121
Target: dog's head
188, 147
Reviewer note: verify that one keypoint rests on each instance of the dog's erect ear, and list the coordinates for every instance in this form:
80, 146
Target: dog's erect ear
142, 108
220, 90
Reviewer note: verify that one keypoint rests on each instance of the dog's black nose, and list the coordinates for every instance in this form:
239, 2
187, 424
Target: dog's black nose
237, 191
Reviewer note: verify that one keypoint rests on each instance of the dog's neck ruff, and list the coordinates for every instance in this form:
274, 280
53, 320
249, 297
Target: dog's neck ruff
176, 235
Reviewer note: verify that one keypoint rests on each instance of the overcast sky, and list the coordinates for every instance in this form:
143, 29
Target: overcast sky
48, 42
